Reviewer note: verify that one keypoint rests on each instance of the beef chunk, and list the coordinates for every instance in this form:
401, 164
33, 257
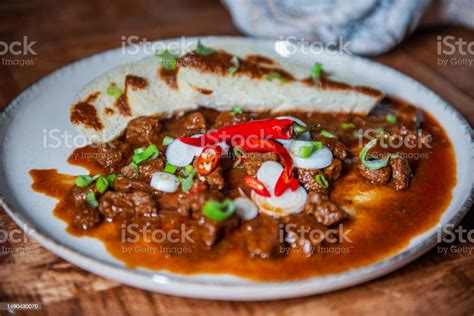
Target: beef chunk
303, 233
126, 185
338, 149
253, 161
194, 122
143, 131
86, 218
379, 176
147, 169
191, 203
400, 173
307, 178
333, 171
227, 118
262, 236
325, 212
118, 205
210, 231
216, 179
113, 155
77, 196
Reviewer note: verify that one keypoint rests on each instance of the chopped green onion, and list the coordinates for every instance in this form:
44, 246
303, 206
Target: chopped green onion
236, 110
114, 91
203, 50
91, 200
111, 178
168, 59
219, 211
305, 151
240, 154
135, 167
169, 168
187, 182
327, 134
236, 64
371, 164
391, 118
316, 71
142, 154
348, 125
83, 181
167, 140
321, 180
275, 75
102, 184
317, 145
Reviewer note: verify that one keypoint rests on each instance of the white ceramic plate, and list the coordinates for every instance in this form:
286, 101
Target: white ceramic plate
45, 105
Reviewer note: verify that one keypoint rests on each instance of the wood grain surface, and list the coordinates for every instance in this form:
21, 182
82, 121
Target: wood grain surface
64, 31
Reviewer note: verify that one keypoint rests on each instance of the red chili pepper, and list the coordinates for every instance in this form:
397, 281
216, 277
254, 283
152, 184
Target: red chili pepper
268, 128
265, 145
208, 160
257, 186
294, 184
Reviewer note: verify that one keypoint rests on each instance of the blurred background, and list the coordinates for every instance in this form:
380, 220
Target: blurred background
429, 40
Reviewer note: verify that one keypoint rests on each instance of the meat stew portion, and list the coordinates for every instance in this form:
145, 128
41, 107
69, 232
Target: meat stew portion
132, 162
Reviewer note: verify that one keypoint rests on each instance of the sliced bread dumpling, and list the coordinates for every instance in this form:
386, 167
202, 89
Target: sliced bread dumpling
261, 86
104, 107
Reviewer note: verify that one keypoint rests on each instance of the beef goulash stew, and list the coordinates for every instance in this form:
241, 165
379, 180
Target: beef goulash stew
257, 194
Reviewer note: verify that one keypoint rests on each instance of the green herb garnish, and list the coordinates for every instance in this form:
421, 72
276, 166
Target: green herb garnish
321, 180
219, 211
391, 118
135, 167
167, 140
114, 91
111, 178
168, 59
84, 181
347, 126
327, 134
236, 64
203, 50
143, 154
240, 154
275, 75
91, 200
169, 168
187, 182
236, 110
316, 71
371, 164
101, 184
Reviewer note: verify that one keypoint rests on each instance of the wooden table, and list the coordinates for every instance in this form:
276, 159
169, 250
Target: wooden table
68, 30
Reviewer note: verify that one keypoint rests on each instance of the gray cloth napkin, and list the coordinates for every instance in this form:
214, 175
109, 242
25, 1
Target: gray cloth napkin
368, 27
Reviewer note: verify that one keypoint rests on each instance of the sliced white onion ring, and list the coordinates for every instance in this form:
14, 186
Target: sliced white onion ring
180, 154
245, 208
288, 203
319, 159
304, 136
165, 182
268, 174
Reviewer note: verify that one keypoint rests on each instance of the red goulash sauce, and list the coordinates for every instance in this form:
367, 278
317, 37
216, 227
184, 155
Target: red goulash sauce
381, 225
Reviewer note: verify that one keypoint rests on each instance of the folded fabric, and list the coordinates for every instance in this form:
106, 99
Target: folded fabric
370, 27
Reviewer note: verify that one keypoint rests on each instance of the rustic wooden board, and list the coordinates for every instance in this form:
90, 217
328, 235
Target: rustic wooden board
66, 31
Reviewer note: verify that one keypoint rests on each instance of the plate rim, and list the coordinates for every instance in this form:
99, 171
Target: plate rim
181, 285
